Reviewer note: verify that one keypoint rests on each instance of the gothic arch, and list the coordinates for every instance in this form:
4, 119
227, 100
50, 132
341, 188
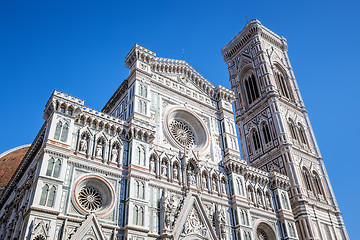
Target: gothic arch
264, 230
282, 82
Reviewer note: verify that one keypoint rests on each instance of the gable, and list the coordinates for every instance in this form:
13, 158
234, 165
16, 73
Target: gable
193, 222
90, 228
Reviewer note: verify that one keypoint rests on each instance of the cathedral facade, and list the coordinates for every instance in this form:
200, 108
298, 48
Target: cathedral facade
161, 160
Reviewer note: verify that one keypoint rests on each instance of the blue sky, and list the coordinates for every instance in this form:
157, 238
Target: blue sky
79, 47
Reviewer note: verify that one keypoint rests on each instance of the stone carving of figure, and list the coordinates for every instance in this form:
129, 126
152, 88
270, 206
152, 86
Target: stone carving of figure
114, 154
152, 166
98, 152
191, 177
204, 182
210, 211
223, 187
259, 199
83, 145
169, 207
222, 222
163, 169
214, 184
175, 174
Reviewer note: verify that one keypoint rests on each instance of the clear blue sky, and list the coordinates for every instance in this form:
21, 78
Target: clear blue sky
79, 47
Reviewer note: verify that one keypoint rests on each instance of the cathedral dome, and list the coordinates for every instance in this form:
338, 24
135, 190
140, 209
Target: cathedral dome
9, 162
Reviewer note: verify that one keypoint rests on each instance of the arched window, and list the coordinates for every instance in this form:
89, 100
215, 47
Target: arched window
51, 170
282, 85
302, 134
57, 169
50, 201
58, 130
62, 108
70, 111
62, 130
256, 140
266, 132
65, 132
307, 179
251, 89
47, 196
44, 195
50, 167
138, 217
317, 183
292, 129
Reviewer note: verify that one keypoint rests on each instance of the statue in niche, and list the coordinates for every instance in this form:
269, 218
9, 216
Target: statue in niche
83, 145
114, 154
152, 166
223, 187
259, 199
99, 151
214, 184
175, 173
163, 169
204, 181
191, 177
268, 201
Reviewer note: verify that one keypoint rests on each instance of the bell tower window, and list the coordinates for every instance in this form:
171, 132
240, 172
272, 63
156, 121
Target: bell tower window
251, 89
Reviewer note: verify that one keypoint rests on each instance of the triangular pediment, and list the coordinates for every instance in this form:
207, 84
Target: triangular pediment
193, 222
89, 229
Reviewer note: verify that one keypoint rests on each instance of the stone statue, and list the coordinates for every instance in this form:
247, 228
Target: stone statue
152, 166
214, 185
98, 151
221, 222
169, 207
191, 177
83, 145
175, 173
223, 186
114, 154
163, 170
204, 182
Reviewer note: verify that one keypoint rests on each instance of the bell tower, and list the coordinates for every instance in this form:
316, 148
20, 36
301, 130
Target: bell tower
275, 131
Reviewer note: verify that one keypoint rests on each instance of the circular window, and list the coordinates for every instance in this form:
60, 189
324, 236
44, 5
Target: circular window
182, 133
185, 130
93, 194
90, 198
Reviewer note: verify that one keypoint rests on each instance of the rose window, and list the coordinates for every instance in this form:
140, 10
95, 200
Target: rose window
182, 133
90, 198
261, 234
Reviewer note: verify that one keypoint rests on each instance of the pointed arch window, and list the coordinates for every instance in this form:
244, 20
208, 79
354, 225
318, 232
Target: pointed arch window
251, 88
282, 85
307, 179
266, 132
58, 130
256, 140
47, 196
138, 217
61, 130
53, 168
302, 134
317, 183
292, 129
